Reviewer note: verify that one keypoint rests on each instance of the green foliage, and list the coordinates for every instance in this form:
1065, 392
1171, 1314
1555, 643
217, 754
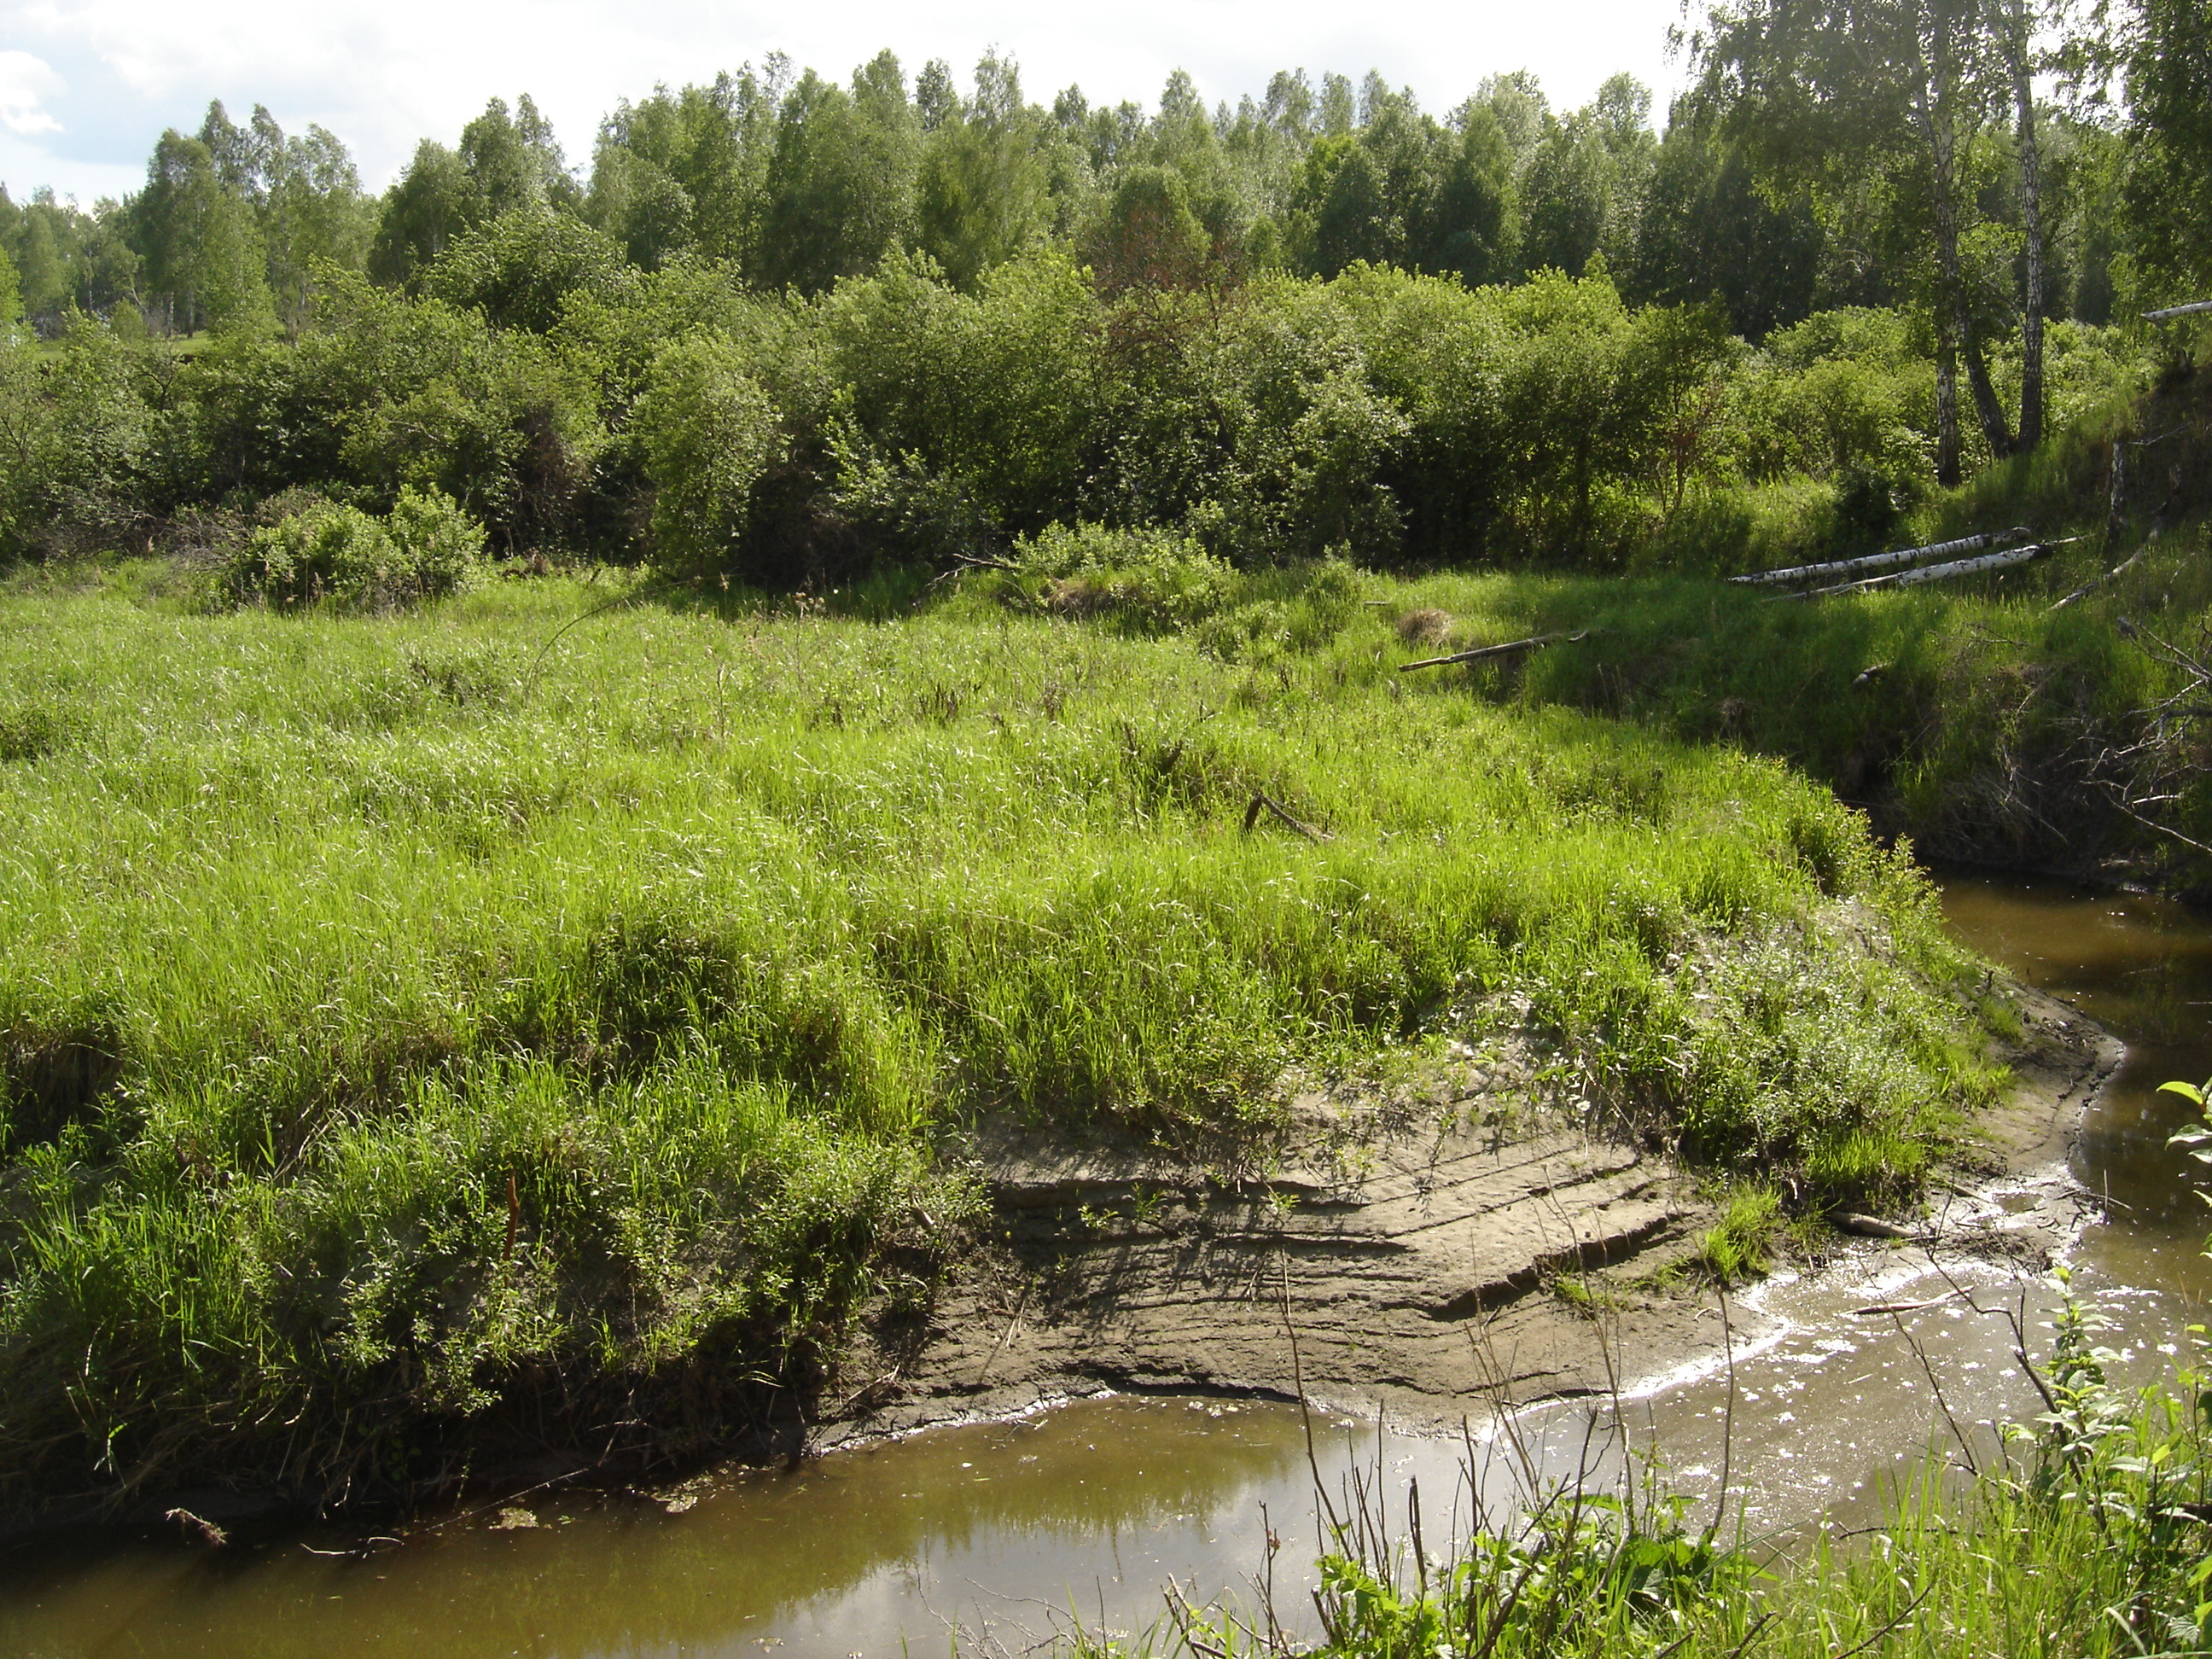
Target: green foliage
2169, 176
840, 187
1138, 582
707, 431
505, 163
343, 558
981, 195
1586, 1574
967, 416
80, 436
386, 394
1736, 1247
519, 268
1147, 235
1407, 191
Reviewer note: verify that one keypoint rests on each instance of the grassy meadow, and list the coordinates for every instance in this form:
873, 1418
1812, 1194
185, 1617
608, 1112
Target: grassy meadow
554, 1010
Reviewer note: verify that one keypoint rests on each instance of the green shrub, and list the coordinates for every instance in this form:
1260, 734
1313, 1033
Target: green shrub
1140, 581
1736, 1247
427, 549
706, 432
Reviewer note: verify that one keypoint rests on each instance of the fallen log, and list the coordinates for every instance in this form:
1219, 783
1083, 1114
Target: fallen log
2006, 560
1904, 1306
1869, 1226
1804, 572
1481, 652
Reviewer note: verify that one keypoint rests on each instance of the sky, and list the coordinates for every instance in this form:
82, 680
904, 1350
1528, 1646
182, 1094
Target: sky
87, 86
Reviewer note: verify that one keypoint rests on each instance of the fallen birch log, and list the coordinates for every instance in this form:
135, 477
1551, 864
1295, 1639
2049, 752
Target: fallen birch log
1805, 573
2192, 307
2006, 559
1481, 652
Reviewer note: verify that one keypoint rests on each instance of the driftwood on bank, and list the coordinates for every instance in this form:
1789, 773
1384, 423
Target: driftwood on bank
1510, 647
2005, 560
1806, 573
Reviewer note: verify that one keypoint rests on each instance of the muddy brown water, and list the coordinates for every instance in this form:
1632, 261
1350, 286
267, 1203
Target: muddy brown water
1000, 1533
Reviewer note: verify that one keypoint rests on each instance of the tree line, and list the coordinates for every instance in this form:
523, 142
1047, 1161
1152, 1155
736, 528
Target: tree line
1324, 312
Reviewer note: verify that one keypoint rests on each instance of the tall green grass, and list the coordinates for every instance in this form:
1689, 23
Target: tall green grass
1978, 720
509, 1020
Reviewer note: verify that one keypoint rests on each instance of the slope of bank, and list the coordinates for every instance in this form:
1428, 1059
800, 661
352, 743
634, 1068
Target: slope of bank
1985, 720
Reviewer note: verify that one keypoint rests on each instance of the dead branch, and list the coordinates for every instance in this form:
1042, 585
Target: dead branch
1869, 1226
2129, 628
1483, 653
2190, 309
2113, 574
1252, 817
1904, 1306
2163, 830
197, 1530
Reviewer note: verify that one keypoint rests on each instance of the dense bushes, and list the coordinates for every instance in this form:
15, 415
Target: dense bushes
575, 405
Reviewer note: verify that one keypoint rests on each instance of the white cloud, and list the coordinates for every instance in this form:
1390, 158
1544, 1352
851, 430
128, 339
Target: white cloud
26, 84
383, 73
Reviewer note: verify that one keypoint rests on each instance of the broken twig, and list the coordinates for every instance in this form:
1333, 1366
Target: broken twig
1252, 817
1482, 652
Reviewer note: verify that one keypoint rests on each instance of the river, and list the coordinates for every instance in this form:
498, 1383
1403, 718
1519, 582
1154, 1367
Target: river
1005, 1532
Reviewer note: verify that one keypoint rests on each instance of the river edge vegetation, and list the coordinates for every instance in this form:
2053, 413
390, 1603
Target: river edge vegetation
428, 1028
2081, 1533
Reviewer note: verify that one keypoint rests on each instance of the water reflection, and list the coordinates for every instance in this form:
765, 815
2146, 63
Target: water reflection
2142, 966
850, 1553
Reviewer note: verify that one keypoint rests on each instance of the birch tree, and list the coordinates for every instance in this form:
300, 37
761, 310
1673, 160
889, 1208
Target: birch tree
1822, 91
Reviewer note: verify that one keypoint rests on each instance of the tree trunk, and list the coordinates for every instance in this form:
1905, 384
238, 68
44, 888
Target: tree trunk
1988, 408
1946, 401
1937, 127
2031, 209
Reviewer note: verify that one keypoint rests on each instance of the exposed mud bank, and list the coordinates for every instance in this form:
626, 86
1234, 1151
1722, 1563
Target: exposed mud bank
1416, 1250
